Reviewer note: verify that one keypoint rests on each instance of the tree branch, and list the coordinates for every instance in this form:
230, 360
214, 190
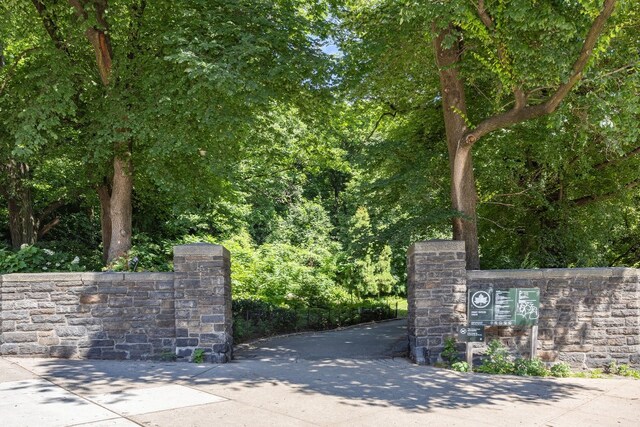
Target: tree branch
98, 37
625, 156
484, 16
375, 126
582, 201
518, 115
616, 71
51, 27
518, 94
47, 227
52, 207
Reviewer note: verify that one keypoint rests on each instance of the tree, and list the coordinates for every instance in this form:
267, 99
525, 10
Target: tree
169, 92
36, 106
494, 50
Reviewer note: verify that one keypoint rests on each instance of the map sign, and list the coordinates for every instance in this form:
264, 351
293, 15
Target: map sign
471, 333
504, 307
527, 306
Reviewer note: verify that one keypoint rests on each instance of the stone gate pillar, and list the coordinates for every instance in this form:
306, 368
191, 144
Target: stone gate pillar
436, 296
202, 288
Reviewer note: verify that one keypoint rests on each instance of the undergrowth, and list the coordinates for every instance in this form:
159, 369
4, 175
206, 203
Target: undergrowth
499, 361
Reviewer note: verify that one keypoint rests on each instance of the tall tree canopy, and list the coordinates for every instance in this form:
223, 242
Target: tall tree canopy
144, 124
158, 94
497, 64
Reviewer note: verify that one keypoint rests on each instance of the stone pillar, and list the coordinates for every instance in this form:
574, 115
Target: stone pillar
436, 296
202, 288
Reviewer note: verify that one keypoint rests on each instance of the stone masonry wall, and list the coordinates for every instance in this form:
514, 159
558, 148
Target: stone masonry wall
202, 287
88, 315
121, 315
588, 317
436, 295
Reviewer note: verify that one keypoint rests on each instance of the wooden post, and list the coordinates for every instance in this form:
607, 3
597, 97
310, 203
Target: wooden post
470, 355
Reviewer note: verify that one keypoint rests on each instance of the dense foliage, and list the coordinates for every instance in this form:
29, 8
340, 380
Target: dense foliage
236, 125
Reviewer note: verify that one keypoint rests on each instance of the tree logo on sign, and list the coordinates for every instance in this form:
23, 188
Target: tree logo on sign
481, 299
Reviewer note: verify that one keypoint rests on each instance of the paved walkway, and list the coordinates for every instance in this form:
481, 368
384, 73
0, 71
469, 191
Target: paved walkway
369, 341
301, 387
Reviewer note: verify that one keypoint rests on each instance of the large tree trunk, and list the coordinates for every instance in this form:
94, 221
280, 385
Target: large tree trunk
23, 225
121, 210
463, 189
115, 205
104, 195
460, 139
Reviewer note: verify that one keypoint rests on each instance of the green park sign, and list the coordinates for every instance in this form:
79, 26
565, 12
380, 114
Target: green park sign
503, 307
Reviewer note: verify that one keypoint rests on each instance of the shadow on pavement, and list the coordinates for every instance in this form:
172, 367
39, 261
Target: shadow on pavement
380, 383
401, 384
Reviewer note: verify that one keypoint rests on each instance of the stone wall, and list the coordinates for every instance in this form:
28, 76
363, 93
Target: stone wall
436, 294
588, 317
122, 315
202, 286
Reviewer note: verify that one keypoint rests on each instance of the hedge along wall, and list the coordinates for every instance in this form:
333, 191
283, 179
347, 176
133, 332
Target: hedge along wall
588, 316
122, 315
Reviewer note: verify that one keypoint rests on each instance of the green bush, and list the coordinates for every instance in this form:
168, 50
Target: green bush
198, 355
460, 367
560, 370
623, 370
32, 259
145, 255
627, 371
449, 352
526, 367
497, 360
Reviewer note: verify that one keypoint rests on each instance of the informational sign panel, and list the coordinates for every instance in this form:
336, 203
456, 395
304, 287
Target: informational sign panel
481, 306
471, 333
527, 306
504, 307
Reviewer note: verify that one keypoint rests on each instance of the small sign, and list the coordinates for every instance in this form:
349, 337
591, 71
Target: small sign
471, 333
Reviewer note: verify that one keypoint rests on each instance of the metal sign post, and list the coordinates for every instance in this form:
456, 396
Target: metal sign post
534, 341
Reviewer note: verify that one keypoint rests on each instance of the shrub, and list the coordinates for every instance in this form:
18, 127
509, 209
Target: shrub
497, 361
37, 260
449, 352
198, 355
145, 255
526, 367
560, 370
627, 371
460, 367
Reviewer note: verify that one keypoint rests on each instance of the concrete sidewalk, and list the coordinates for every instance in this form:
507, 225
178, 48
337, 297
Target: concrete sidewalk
295, 391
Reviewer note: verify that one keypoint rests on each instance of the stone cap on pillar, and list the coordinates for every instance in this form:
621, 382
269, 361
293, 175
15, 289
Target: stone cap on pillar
431, 246
201, 249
